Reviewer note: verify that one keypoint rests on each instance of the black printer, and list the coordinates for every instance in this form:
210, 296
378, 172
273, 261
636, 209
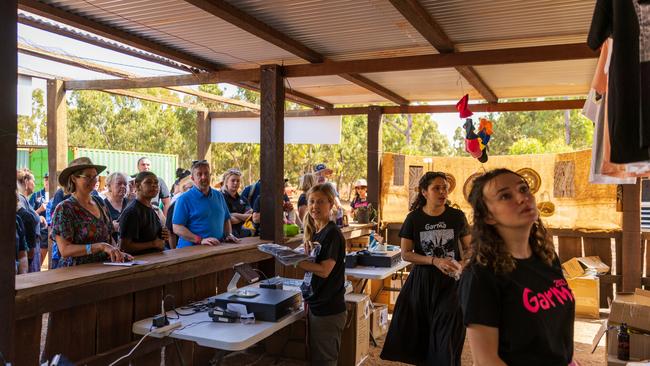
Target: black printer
267, 304
379, 259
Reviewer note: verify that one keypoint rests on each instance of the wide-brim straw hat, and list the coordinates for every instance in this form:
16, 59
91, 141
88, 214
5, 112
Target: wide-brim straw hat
77, 165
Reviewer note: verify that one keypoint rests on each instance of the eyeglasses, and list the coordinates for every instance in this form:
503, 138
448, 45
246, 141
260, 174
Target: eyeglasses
94, 177
233, 171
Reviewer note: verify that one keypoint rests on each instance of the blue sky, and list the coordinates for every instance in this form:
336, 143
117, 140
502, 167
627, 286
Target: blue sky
447, 122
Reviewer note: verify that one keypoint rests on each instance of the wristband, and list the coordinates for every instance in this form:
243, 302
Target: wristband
89, 249
433, 261
198, 240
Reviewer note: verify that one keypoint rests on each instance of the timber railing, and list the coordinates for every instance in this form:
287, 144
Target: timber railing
92, 307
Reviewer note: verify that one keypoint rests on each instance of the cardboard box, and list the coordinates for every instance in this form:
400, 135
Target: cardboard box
289, 342
586, 291
577, 267
355, 343
639, 344
632, 309
388, 297
379, 320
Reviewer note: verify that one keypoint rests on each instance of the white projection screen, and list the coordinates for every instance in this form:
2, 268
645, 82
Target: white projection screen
297, 130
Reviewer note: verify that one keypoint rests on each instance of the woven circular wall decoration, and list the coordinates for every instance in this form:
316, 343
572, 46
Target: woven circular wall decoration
532, 177
452, 182
467, 187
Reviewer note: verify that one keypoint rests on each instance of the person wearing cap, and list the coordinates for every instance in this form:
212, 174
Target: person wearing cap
239, 208
201, 216
141, 228
144, 165
81, 224
39, 201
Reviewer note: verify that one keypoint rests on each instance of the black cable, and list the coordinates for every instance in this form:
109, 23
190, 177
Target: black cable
262, 273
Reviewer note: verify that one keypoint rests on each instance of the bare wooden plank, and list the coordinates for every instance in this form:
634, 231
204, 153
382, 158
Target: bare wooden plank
46, 300
291, 95
374, 155
585, 234
72, 332
114, 320
155, 99
569, 247
272, 153
631, 250
57, 132
27, 338
415, 109
376, 88
8, 82
601, 247
203, 136
504, 56
223, 76
146, 303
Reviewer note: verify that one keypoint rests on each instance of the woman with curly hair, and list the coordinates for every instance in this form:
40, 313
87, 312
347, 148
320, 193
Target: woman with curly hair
427, 326
516, 303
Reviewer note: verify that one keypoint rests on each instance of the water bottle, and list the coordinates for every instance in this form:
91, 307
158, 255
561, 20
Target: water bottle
623, 343
372, 242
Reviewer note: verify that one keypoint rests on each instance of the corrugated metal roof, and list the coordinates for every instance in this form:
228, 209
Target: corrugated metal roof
539, 79
488, 20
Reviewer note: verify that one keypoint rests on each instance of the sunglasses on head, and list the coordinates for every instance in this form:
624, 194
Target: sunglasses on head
199, 162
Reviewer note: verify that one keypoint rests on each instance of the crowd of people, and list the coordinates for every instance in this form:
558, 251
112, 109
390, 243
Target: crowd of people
497, 283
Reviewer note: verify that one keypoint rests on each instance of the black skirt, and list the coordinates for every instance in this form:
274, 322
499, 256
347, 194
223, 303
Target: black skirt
427, 326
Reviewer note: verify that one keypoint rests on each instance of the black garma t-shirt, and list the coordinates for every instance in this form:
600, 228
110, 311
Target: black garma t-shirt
139, 223
328, 293
532, 307
436, 236
628, 91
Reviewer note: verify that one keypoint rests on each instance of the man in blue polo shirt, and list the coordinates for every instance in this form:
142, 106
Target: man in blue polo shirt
201, 215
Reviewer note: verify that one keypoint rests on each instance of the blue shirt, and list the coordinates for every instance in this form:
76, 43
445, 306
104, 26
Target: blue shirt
202, 215
252, 196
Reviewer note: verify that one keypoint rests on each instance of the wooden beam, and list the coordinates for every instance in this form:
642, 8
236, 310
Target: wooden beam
375, 88
203, 136
8, 118
272, 153
631, 249
78, 21
155, 99
291, 95
374, 155
57, 132
485, 57
546, 105
424, 23
250, 24
502, 56
100, 42
81, 63
212, 77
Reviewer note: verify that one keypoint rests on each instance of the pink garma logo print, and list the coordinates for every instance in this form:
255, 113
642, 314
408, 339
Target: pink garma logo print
554, 296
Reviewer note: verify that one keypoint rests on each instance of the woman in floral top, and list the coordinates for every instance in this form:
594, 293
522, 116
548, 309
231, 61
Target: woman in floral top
81, 224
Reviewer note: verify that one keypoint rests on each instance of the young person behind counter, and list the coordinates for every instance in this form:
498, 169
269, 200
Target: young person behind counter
141, 228
513, 268
323, 288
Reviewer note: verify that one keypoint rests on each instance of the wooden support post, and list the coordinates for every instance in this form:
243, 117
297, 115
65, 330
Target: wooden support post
8, 118
57, 132
631, 251
203, 135
374, 155
272, 152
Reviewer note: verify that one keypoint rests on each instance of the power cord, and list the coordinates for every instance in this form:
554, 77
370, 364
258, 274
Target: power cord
132, 349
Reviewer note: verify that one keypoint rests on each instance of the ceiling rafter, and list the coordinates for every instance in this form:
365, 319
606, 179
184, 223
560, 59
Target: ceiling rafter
92, 66
250, 24
576, 51
91, 26
427, 26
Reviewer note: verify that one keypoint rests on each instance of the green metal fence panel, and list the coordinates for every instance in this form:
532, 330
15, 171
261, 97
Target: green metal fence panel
38, 164
164, 165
